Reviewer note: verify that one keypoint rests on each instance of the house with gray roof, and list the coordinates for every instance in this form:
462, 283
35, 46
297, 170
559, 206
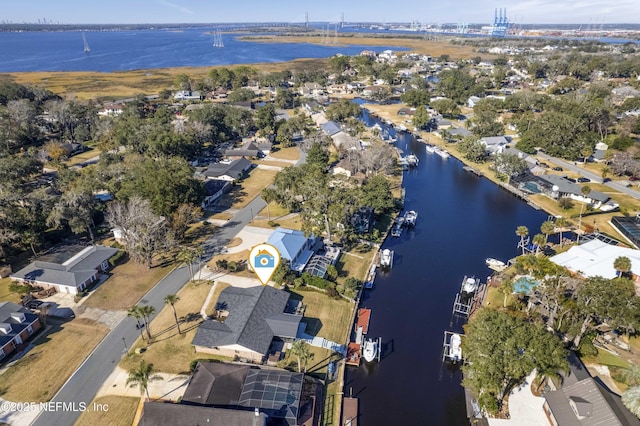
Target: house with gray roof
330, 128
247, 321
68, 269
558, 187
165, 414
495, 144
17, 324
228, 171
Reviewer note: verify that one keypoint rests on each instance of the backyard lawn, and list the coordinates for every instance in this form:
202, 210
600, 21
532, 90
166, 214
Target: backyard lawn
171, 352
56, 355
290, 153
119, 411
325, 317
247, 189
5, 294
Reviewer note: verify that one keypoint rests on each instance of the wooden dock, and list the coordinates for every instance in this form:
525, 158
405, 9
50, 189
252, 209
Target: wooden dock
353, 354
364, 316
472, 170
349, 411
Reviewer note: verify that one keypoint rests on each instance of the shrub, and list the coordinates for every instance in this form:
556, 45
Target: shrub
16, 287
273, 224
233, 266
117, 258
222, 264
489, 403
333, 293
565, 203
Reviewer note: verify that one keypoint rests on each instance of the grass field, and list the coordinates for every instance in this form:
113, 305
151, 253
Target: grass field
169, 351
325, 317
247, 189
129, 282
44, 369
5, 294
121, 411
430, 47
353, 264
291, 153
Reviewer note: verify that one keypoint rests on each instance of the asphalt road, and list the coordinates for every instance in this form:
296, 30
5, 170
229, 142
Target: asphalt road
590, 175
84, 384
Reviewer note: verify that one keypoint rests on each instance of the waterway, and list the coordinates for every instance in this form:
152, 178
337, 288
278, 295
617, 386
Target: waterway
144, 49
463, 219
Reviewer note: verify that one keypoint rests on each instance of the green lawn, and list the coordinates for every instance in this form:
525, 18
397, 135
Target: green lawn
5, 294
325, 317
606, 358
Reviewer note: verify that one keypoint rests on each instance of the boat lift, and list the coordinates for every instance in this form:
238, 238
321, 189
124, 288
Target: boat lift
462, 306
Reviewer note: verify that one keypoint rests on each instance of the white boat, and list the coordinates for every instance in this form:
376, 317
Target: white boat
386, 258
397, 227
455, 348
494, 262
410, 218
370, 350
431, 149
87, 49
470, 284
412, 160
441, 152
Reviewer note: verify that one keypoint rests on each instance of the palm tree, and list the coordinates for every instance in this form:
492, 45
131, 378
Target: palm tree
300, 349
561, 222
522, 231
506, 288
539, 240
187, 256
172, 299
586, 189
135, 312
622, 264
141, 376
547, 228
146, 311
631, 375
631, 399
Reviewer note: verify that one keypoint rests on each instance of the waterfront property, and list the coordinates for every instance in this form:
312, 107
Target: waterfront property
68, 269
596, 258
220, 393
214, 189
17, 325
245, 323
294, 247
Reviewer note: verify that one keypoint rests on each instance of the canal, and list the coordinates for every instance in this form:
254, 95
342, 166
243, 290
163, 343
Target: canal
463, 219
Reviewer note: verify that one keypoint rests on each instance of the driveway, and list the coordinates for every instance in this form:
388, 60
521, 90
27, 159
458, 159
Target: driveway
524, 407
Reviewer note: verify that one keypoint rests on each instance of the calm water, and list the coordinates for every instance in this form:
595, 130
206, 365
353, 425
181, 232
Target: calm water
462, 220
128, 50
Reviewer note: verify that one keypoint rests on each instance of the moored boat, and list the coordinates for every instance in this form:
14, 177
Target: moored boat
370, 350
470, 284
455, 348
430, 149
386, 258
410, 218
441, 152
494, 262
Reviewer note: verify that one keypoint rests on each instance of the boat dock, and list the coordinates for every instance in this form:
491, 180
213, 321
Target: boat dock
349, 411
472, 170
450, 347
465, 298
353, 354
362, 326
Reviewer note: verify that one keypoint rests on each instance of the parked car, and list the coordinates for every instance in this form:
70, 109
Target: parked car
34, 304
633, 179
558, 169
544, 165
583, 179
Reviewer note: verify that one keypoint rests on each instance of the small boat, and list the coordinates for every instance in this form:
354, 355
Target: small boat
410, 218
370, 350
431, 149
87, 49
441, 152
470, 284
455, 348
377, 126
412, 160
494, 262
386, 258
397, 227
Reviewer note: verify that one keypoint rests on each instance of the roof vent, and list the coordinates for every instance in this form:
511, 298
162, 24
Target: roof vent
581, 407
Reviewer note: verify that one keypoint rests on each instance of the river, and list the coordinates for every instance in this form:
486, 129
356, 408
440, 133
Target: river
463, 219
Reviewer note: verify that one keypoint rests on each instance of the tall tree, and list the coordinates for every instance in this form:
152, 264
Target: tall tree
300, 350
585, 190
172, 299
146, 312
522, 232
561, 222
539, 240
547, 228
135, 312
622, 265
76, 208
141, 377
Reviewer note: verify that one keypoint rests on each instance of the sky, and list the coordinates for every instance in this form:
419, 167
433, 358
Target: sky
594, 12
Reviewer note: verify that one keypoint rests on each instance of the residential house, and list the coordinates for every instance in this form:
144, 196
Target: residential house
337, 89
459, 132
228, 171
342, 168
17, 324
214, 189
495, 144
472, 101
185, 95
111, 109
558, 186
68, 269
355, 86
600, 152
311, 89
250, 148
596, 258
238, 395
248, 319
406, 111
293, 246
